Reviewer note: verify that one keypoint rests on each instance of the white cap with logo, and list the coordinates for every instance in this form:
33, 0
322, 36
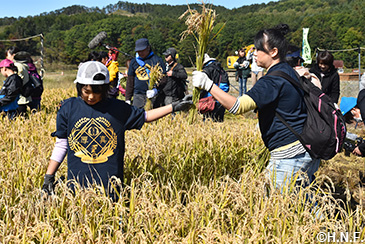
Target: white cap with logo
87, 72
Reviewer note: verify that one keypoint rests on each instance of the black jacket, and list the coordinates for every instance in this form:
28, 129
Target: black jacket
361, 103
330, 82
361, 106
243, 72
11, 89
175, 85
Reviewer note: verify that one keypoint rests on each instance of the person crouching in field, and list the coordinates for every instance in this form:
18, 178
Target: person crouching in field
353, 110
91, 128
9, 93
269, 95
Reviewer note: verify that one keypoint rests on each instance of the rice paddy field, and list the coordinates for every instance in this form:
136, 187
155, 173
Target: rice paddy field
184, 183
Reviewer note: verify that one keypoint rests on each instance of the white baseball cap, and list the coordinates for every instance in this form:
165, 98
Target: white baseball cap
87, 72
207, 59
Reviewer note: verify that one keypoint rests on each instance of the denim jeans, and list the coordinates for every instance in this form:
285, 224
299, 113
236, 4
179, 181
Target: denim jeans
243, 85
286, 169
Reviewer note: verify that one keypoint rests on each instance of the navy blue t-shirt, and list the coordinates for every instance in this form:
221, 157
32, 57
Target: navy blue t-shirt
141, 78
95, 136
275, 94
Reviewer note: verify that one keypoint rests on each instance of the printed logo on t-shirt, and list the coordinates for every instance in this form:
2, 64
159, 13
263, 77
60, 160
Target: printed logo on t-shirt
141, 72
93, 140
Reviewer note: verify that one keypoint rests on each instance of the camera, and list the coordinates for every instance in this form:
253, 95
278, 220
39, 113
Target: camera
351, 142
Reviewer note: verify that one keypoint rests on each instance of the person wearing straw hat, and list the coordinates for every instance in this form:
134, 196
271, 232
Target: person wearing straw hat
91, 128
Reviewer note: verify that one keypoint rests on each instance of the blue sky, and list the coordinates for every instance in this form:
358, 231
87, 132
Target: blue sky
25, 8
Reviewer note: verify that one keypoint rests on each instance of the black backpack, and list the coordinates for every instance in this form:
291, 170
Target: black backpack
324, 130
220, 76
34, 87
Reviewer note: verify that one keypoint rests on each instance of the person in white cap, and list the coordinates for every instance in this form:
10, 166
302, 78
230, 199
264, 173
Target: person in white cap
91, 128
214, 71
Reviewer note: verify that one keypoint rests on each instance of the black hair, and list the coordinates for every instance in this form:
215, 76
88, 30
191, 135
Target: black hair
98, 89
12, 67
292, 60
102, 55
30, 60
266, 40
93, 56
12, 50
242, 49
326, 57
349, 118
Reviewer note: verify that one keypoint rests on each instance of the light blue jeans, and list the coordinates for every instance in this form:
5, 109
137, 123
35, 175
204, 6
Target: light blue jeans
283, 171
243, 85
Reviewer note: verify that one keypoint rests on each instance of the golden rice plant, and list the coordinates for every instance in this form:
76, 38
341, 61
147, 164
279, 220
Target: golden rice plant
201, 183
155, 76
188, 154
201, 26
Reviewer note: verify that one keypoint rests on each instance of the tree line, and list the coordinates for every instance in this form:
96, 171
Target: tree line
334, 25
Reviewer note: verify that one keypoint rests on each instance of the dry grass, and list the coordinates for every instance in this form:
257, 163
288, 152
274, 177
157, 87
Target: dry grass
200, 183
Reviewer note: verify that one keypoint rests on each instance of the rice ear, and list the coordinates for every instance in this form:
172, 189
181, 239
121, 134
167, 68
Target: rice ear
201, 26
154, 77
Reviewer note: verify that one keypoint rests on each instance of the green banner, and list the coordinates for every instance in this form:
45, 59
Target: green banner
306, 49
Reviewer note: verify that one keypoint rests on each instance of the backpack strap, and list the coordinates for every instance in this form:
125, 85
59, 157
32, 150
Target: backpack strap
287, 77
173, 66
295, 84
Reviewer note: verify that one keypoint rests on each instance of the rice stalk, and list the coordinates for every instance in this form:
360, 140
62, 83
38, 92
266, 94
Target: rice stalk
155, 75
183, 183
201, 26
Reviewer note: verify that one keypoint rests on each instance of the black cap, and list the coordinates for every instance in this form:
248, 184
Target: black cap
170, 51
141, 44
22, 55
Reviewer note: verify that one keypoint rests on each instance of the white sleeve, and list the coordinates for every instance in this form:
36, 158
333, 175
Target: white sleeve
59, 150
